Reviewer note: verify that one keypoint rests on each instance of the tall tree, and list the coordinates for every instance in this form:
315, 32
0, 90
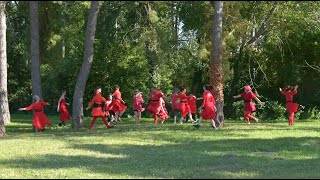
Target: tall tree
77, 109
35, 53
216, 72
4, 106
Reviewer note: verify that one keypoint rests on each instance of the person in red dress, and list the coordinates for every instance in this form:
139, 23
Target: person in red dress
62, 108
96, 112
155, 105
207, 108
163, 111
184, 106
118, 104
137, 105
40, 120
290, 106
249, 106
175, 104
108, 109
192, 102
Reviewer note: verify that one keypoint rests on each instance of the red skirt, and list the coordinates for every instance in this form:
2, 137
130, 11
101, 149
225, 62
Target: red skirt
292, 107
163, 114
40, 120
97, 112
154, 107
64, 114
249, 106
184, 108
208, 112
118, 106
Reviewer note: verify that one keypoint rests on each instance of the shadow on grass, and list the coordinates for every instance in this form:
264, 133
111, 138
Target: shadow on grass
193, 159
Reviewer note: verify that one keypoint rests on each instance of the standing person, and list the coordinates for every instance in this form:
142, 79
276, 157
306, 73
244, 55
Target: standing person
184, 106
137, 105
192, 102
207, 108
249, 106
118, 104
62, 108
108, 109
163, 111
155, 105
290, 106
96, 112
40, 120
175, 104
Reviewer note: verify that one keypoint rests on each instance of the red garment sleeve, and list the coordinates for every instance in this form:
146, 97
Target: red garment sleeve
294, 92
29, 107
253, 95
43, 103
283, 92
204, 99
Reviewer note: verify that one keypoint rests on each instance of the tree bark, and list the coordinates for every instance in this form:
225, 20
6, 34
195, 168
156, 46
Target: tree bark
77, 109
35, 53
151, 53
216, 72
4, 106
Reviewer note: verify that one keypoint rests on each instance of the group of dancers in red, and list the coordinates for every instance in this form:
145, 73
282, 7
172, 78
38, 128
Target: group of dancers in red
113, 107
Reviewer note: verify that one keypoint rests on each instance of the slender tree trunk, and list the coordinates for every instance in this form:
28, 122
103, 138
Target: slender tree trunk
4, 107
216, 72
77, 109
150, 47
35, 54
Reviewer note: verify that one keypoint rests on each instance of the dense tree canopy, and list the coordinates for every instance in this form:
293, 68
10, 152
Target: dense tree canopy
167, 44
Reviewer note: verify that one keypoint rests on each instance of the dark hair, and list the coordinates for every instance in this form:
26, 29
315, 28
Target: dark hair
108, 97
208, 87
62, 91
175, 90
182, 88
289, 88
115, 87
95, 90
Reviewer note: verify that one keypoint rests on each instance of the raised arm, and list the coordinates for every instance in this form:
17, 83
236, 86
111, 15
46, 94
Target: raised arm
237, 96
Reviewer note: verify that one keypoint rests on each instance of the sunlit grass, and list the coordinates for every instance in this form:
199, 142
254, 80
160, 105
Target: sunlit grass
263, 150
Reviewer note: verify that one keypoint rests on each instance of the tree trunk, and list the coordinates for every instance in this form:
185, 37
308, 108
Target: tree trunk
77, 109
4, 107
150, 47
35, 54
216, 72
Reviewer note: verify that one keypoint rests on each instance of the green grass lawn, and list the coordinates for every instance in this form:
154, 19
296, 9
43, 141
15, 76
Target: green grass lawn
239, 150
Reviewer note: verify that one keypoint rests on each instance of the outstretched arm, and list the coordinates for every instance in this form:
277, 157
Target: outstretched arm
260, 102
237, 96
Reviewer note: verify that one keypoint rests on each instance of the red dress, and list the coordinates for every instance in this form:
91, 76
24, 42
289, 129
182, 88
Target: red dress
175, 105
208, 104
96, 102
163, 112
107, 107
248, 104
184, 107
117, 105
40, 120
137, 104
64, 114
290, 106
154, 106
192, 102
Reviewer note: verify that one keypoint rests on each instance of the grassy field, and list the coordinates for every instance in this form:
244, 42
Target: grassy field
149, 151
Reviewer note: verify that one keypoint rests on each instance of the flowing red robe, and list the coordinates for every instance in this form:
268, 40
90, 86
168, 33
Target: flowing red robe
137, 104
175, 104
154, 106
248, 104
64, 114
184, 107
208, 112
192, 102
117, 105
40, 120
98, 100
290, 106
163, 112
